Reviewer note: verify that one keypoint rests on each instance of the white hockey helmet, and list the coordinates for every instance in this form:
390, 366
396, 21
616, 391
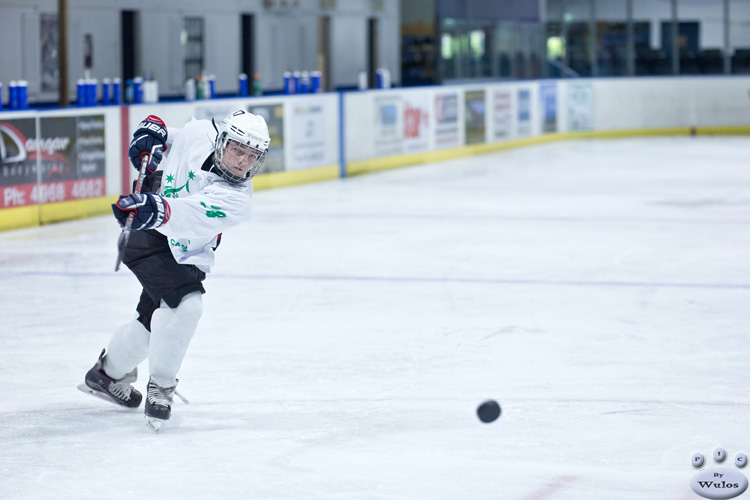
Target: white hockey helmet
242, 141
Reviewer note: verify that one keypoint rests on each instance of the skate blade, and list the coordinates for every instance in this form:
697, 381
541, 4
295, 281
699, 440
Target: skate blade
88, 390
154, 423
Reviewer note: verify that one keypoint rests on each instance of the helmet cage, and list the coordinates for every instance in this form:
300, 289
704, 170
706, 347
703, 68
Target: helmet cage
247, 136
222, 142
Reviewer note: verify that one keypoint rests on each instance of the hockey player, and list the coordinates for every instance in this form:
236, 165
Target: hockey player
202, 189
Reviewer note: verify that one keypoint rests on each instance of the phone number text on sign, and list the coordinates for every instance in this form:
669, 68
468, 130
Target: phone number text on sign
32, 194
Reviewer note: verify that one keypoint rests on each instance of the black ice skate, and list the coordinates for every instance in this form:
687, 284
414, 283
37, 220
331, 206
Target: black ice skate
158, 404
119, 392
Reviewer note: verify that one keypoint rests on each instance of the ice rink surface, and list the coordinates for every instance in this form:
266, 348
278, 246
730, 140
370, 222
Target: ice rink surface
598, 289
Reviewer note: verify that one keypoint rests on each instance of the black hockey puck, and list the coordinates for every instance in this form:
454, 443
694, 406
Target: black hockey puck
488, 411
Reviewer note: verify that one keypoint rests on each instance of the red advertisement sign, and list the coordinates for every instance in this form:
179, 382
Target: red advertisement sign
416, 122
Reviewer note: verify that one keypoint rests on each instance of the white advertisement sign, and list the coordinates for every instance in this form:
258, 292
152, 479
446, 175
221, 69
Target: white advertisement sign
580, 106
387, 127
447, 133
308, 136
503, 113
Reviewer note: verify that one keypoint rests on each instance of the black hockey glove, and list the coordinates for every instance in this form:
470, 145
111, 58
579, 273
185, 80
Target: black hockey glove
151, 138
151, 210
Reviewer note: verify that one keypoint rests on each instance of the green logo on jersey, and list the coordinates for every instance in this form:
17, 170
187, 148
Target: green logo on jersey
216, 212
176, 243
174, 192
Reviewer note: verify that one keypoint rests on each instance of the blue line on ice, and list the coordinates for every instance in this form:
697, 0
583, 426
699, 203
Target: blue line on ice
411, 279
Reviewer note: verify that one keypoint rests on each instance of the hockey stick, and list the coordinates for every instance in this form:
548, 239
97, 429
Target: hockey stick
122, 241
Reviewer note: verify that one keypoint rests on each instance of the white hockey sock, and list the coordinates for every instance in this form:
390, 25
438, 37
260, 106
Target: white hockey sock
128, 347
171, 331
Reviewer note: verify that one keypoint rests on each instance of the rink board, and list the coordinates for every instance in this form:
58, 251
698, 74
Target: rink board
71, 163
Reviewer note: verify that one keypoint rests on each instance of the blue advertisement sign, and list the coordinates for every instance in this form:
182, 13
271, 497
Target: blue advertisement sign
524, 112
548, 97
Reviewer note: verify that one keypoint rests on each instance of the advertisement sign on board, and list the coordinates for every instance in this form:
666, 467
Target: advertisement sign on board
308, 136
274, 116
580, 106
474, 116
524, 112
503, 114
387, 127
416, 122
66, 162
446, 121
548, 98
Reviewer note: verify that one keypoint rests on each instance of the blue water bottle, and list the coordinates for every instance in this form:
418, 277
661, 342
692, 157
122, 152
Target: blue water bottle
22, 93
129, 90
288, 83
304, 83
80, 96
91, 91
85, 92
297, 76
315, 82
116, 91
212, 86
379, 78
105, 92
12, 95
244, 91
138, 90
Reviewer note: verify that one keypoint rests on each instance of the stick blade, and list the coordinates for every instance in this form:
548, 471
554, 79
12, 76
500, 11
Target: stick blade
122, 243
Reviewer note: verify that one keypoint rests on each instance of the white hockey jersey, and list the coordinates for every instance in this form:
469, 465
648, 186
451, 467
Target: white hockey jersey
202, 203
